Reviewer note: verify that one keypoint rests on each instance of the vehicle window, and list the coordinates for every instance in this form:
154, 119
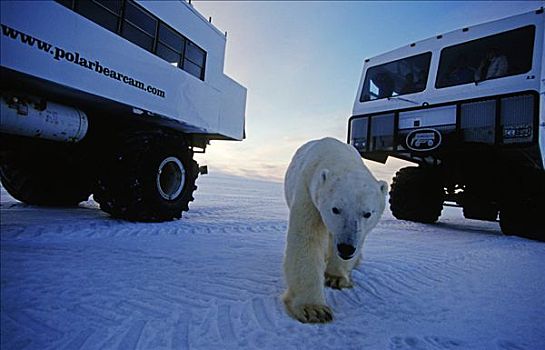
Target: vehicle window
193, 69
66, 3
134, 23
171, 38
168, 54
140, 18
382, 132
139, 27
170, 46
101, 12
194, 60
137, 36
491, 57
113, 5
401, 77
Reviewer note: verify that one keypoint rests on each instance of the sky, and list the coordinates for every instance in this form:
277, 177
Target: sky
301, 62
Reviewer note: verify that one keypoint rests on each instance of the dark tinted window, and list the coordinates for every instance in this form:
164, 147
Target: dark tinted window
140, 18
193, 69
168, 54
194, 60
112, 5
140, 27
494, 56
358, 132
137, 36
98, 13
382, 132
67, 3
169, 37
195, 54
401, 77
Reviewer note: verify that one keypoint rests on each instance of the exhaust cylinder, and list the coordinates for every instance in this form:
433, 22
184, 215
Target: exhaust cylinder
50, 121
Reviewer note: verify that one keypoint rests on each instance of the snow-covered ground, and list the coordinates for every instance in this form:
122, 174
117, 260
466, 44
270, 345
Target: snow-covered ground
77, 279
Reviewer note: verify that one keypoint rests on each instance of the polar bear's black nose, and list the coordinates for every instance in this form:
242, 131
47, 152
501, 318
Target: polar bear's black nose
346, 251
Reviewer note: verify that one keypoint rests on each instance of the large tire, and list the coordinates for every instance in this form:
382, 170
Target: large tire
417, 195
479, 209
485, 212
46, 174
523, 220
149, 177
521, 213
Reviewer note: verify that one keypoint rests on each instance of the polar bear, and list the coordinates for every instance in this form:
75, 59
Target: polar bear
334, 202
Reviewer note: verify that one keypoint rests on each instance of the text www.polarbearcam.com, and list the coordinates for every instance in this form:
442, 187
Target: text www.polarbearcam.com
74, 57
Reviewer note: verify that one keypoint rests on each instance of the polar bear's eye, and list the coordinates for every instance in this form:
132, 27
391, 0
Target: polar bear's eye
336, 210
367, 215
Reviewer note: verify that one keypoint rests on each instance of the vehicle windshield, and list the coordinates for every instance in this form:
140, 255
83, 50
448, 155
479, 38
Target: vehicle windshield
401, 77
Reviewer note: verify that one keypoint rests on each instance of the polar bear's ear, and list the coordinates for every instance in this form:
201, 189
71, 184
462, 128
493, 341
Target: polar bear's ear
383, 187
317, 182
324, 174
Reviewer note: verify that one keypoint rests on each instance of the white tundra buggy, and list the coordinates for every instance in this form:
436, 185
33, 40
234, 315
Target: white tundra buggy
469, 108
112, 98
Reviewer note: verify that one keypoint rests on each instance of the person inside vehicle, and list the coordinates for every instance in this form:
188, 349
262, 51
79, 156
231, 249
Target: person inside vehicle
492, 66
421, 81
385, 85
409, 85
461, 73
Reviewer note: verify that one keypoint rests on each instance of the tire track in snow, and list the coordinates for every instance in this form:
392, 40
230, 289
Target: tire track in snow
205, 326
428, 342
26, 320
352, 296
365, 284
143, 264
225, 324
132, 337
80, 339
507, 345
180, 336
97, 314
417, 271
15, 343
143, 309
262, 314
180, 299
230, 294
443, 342
243, 285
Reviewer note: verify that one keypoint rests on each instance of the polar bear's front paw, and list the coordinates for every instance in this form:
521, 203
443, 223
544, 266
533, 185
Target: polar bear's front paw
313, 313
337, 282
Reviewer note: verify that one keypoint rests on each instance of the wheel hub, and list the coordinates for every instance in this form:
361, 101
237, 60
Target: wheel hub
170, 178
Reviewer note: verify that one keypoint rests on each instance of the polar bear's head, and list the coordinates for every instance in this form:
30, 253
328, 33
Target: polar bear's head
350, 205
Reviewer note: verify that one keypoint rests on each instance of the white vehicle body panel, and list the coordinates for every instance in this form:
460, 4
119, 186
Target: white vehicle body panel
213, 106
436, 116
533, 80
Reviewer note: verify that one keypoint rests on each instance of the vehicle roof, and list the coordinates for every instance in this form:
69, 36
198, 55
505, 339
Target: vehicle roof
451, 38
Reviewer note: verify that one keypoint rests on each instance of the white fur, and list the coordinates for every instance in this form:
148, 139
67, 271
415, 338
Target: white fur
324, 174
